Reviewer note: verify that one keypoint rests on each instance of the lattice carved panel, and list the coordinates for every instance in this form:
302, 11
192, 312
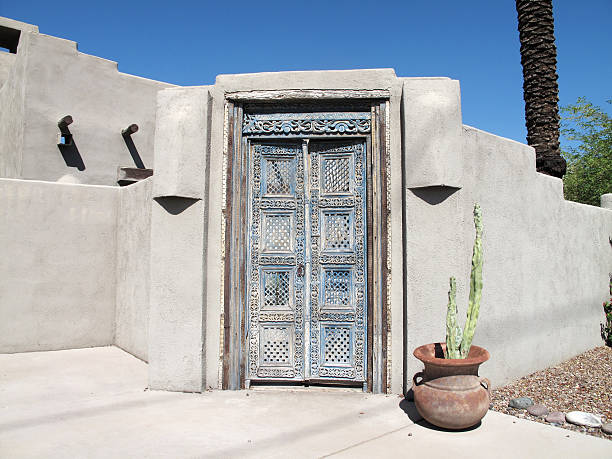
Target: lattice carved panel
277, 291
337, 288
337, 349
338, 231
276, 346
279, 176
277, 233
336, 175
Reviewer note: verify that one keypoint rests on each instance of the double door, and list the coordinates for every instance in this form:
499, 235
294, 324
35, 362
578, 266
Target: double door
306, 317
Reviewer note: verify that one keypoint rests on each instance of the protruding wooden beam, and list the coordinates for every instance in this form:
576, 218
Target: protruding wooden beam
128, 175
64, 122
131, 129
65, 137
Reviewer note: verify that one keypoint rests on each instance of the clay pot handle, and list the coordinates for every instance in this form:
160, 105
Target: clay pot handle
486, 381
420, 374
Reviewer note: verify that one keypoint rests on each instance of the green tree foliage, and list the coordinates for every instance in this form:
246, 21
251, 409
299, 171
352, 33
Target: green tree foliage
587, 131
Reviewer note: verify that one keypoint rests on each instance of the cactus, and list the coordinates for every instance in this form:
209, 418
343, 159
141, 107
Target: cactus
456, 349
453, 331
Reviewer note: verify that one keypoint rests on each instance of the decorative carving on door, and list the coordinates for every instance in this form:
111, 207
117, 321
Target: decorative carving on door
306, 259
276, 317
338, 258
307, 123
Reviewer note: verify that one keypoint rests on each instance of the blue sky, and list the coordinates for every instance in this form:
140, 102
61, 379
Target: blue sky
476, 42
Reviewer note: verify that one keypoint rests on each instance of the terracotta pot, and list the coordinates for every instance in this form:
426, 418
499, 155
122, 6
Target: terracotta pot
436, 366
452, 402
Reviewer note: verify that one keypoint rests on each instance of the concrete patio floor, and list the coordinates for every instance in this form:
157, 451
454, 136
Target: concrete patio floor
94, 403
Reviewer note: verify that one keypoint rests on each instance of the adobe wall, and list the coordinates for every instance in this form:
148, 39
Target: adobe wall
133, 268
75, 266
546, 260
48, 79
12, 101
183, 353
58, 265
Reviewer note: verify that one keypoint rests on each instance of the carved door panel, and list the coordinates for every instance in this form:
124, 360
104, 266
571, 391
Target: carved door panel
337, 255
306, 314
276, 262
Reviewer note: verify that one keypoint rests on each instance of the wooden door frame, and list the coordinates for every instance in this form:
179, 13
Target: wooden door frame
234, 346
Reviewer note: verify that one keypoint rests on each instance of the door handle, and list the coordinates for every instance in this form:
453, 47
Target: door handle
300, 270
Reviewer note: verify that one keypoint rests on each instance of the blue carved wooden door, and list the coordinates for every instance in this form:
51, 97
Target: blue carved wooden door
306, 312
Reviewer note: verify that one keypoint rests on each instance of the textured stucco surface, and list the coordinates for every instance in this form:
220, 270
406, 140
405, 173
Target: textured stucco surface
181, 142
7, 60
101, 100
176, 313
12, 101
330, 79
58, 265
431, 130
133, 274
546, 261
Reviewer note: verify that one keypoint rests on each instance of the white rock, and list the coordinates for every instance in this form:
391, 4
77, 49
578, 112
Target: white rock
580, 418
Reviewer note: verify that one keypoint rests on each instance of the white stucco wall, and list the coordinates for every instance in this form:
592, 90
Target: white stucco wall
133, 273
179, 222
57, 265
546, 261
12, 102
49, 79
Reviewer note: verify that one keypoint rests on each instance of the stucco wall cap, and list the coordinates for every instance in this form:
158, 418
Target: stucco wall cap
23, 26
606, 201
312, 79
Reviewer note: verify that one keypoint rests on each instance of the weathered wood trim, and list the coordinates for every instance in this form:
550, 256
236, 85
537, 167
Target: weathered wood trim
235, 255
384, 246
228, 248
370, 268
301, 94
378, 252
240, 327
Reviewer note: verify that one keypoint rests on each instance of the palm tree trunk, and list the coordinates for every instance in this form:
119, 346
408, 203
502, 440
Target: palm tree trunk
540, 89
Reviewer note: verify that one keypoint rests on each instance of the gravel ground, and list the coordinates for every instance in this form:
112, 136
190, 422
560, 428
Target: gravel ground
583, 383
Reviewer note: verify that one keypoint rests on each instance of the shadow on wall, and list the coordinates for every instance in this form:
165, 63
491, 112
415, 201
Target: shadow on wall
129, 143
175, 205
434, 194
67, 146
72, 156
133, 152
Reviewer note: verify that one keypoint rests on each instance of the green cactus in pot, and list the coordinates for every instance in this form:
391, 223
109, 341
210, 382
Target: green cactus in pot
458, 342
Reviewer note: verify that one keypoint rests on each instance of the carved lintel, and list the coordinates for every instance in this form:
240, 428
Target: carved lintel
307, 123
